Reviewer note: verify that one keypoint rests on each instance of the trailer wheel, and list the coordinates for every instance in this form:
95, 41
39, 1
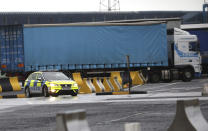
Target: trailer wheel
155, 77
187, 75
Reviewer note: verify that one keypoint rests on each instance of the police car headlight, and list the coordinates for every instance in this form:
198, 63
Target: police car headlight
75, 84
53, 84
53, 90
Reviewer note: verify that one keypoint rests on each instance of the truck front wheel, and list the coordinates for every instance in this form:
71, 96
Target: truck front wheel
187, 75
155, 77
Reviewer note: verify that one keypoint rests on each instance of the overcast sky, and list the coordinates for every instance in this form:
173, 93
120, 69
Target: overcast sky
93, 5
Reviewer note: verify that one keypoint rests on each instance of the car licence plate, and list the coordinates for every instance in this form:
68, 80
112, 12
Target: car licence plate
66, 87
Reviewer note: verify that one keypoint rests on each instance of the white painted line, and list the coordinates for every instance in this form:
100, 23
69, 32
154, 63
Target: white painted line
165, 85
122, 118
177, 88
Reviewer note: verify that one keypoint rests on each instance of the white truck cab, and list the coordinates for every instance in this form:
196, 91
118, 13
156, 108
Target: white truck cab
186, 53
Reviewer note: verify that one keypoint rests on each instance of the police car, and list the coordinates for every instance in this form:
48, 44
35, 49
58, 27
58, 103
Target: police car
50, 83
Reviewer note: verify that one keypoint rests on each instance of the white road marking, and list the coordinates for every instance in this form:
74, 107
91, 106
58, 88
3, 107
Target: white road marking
122, 118
177, 88
162, 86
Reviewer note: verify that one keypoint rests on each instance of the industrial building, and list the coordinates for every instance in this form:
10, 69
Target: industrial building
13, 18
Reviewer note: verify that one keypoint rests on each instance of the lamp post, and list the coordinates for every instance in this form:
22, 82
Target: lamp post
128, 67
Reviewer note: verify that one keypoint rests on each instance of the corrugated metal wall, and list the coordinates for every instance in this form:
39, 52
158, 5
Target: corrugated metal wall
11, 48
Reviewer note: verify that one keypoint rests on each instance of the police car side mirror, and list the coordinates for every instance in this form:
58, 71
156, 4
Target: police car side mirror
39, 79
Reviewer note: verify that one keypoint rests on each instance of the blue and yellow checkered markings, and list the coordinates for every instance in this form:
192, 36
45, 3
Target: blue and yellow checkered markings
43, 83
31, 83
34, 84
27, 83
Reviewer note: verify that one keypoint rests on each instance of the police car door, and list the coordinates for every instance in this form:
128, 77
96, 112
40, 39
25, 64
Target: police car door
32, 83
39, 82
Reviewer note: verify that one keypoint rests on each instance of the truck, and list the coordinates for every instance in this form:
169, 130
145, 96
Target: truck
201, 31
100, 47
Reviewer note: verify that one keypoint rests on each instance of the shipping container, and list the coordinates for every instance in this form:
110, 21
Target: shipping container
82, 46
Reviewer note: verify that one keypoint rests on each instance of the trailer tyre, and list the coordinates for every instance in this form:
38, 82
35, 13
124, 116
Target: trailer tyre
155, 78
187, 75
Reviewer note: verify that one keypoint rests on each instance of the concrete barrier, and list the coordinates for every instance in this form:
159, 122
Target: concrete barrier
136, 78
84, 88
9, 84
89, 85
115, 84
122, 93
188, 117
117, 75
98, 85
205, 90
133, 126
118, 84
77, 77
72, 121
107, 84
13, 96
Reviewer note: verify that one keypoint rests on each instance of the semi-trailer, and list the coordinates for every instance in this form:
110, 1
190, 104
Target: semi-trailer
99, 47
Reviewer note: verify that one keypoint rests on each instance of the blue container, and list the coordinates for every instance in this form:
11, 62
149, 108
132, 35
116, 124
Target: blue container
12, 48
70, 47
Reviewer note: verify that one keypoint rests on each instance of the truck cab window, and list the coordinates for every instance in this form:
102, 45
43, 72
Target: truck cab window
193, 46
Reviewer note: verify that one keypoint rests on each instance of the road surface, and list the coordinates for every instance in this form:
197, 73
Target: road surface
154, 110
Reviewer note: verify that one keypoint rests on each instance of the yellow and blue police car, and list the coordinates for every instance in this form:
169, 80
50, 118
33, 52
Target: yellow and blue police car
50, 83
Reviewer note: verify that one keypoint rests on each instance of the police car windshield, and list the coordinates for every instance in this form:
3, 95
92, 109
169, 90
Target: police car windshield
55, 76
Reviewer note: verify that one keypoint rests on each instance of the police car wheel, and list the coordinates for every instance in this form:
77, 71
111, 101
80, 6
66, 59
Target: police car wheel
45, 91
27, 92
55, 95
74, 93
